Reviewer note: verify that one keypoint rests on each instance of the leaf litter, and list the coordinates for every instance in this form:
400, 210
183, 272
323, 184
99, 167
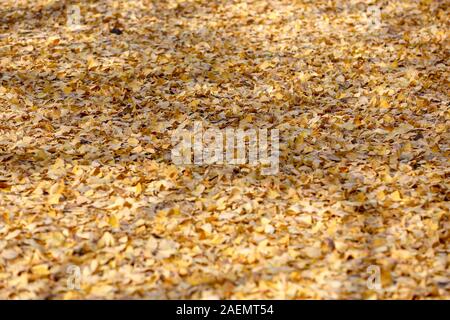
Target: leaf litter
86, 180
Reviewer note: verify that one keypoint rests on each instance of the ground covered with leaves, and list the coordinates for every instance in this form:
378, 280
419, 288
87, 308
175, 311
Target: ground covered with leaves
86, 178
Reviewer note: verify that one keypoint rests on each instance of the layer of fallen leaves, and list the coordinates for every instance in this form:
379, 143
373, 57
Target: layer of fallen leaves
86, 179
